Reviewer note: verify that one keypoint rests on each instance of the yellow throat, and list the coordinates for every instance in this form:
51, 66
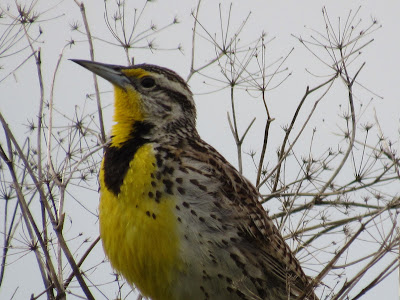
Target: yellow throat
138, 230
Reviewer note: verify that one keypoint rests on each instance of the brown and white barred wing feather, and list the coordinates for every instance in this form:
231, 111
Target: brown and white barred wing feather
277, 255
239, 199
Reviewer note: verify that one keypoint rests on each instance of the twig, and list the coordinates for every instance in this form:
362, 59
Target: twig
283, 157
96, 85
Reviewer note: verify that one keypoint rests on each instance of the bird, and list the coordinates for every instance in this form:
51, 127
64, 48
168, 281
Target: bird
177, 220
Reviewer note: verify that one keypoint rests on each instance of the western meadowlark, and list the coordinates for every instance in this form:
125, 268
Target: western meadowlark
176, 219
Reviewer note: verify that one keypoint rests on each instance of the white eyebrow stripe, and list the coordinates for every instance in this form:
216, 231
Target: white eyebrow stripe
175, 86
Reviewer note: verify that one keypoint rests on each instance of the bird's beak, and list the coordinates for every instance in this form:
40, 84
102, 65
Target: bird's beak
111, 73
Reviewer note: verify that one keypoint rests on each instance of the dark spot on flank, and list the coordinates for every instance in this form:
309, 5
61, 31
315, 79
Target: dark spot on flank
202, 187
158, 196
241, 295
237, 260
159, 161
212, 161
185, 204
169, 170
179, 180
194, 181
217, 204
151, 195
237, 178
168, 186
184, 170
148, 213
181, 190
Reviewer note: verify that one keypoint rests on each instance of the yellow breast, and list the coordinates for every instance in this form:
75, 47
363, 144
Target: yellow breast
139, 233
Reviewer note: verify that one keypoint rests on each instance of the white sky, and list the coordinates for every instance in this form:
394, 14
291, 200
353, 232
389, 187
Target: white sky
278, 19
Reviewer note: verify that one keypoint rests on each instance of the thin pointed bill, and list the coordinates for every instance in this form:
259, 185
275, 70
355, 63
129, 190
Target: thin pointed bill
111, 73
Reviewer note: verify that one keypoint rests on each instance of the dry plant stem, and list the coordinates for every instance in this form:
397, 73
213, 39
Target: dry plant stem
96, 85
31, 226
282, 152
389, 154
269, 119
349, 83
83, 159
356, 278
42, 268
60, 226
307, 93
378, 278
56, 227
329, 266
331, 226
334, 202
39, 134
50, 127
239, 142
37, 56
19, 66
194, 71
386, 149
222, 50
7, 238
340, 191
50, 164
235, 131
264, 149
194, 40
80, 262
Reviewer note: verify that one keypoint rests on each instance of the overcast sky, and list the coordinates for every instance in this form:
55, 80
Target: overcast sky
278, 19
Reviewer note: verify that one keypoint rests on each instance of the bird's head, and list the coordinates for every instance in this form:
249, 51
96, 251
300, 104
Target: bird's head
147, 93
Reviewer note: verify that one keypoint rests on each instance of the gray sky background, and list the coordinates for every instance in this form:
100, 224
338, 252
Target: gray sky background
279, 19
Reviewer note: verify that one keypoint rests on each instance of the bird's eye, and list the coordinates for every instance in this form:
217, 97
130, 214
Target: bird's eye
148, 82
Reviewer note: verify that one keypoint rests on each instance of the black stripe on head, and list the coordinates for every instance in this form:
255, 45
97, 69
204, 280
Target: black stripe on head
117, 159
186, 105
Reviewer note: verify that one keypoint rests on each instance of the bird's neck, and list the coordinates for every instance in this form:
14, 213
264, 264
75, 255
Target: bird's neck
127, 115
132, 123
